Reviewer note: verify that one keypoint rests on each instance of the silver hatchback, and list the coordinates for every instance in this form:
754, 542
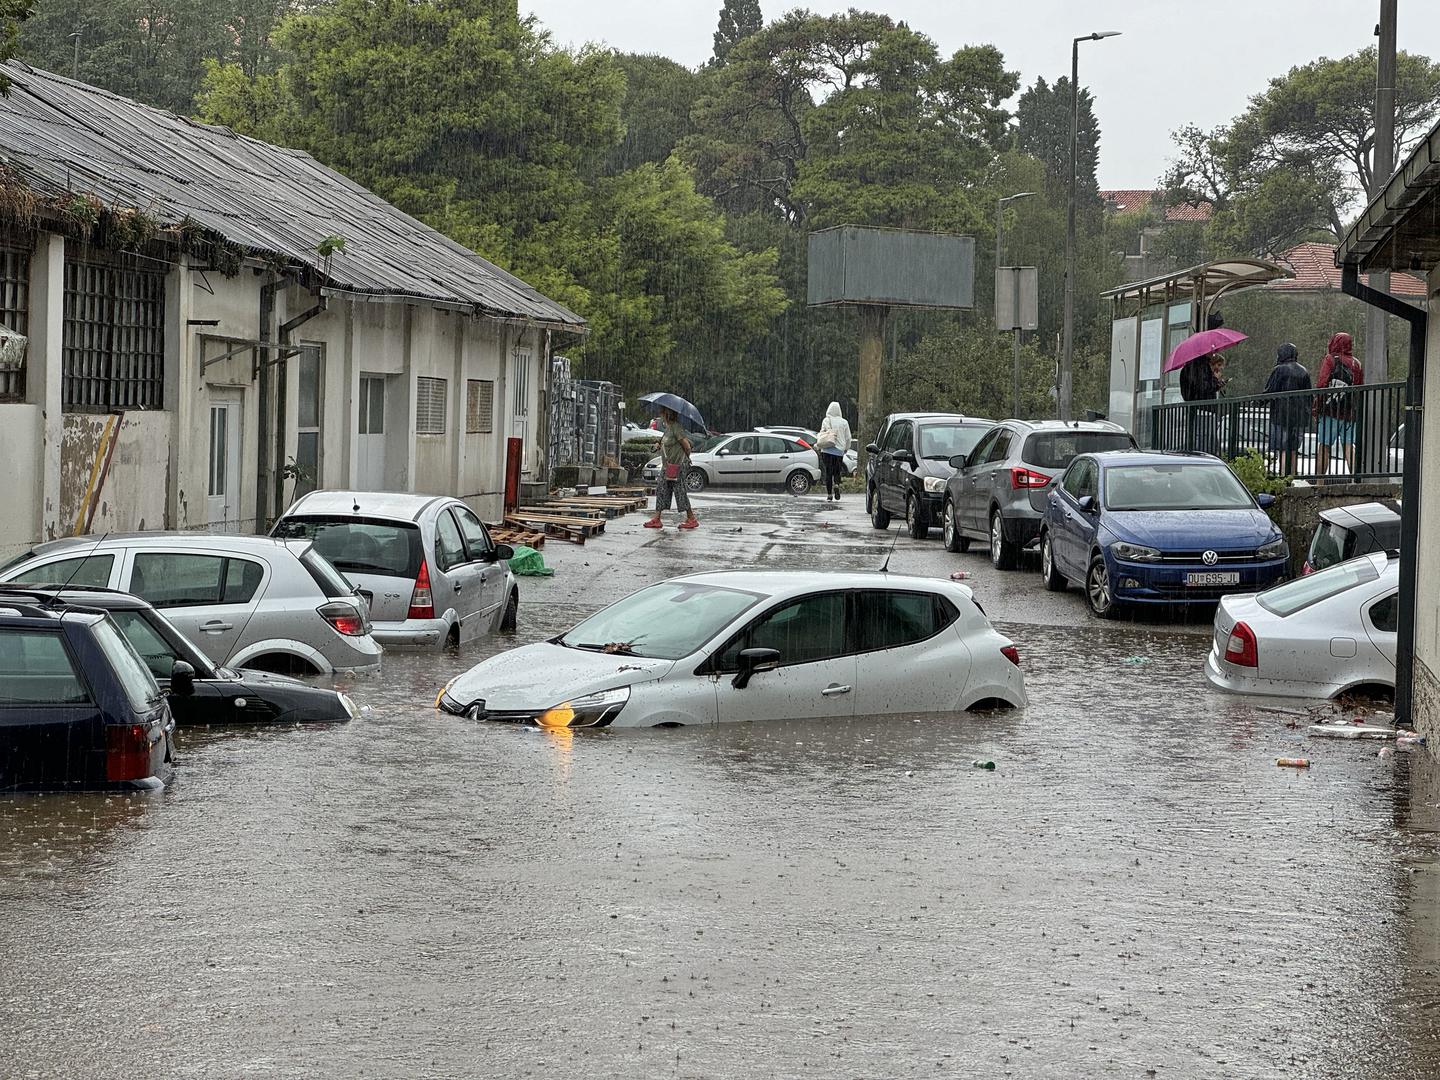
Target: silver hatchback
424, 563
246, 601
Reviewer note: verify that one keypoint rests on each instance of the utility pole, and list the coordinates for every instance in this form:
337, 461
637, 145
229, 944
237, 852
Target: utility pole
1383, 164
75, 63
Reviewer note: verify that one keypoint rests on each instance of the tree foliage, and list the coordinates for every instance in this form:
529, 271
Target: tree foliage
12, 14
738, 20
1043, 116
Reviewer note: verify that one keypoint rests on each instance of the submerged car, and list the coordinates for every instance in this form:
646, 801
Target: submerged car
1137, 527
78, 707
1325, 634
1345, 532
910, 462
200, 691
754, 645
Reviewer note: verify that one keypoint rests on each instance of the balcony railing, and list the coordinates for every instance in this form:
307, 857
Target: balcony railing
1341, 433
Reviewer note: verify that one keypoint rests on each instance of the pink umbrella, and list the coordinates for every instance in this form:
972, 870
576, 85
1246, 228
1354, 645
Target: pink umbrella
1202, 344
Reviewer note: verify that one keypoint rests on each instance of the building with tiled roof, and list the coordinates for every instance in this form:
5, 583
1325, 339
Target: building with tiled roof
1316, 272
1138, 200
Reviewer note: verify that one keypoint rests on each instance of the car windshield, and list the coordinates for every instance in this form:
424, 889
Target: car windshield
665, 621
159, 655
1177, 486
358, 545
941, 442
1056, 449
140, 686
1328, 546
1294, 595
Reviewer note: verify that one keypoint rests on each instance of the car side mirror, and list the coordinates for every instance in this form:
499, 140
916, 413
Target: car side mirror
752, 661
1265, 501
1086, 503
904, 455
501, 553
871, 448
722, 453
182, 679
959, 461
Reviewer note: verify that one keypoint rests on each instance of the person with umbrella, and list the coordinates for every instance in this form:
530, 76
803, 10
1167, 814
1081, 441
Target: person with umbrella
674, 458
1202, 378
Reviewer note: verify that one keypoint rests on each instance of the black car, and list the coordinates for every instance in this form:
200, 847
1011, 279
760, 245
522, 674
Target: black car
909, 465
1345, 532
200, 692
78, 707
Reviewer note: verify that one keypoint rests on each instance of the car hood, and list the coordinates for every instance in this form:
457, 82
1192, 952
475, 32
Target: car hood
1188, 530
539, 676
927, 467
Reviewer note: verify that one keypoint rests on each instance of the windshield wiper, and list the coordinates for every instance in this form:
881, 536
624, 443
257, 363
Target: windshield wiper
618, 648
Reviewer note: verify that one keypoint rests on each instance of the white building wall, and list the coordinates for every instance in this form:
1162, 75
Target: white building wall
1427, 585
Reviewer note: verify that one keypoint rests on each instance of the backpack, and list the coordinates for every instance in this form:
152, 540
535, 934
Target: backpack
1340, 375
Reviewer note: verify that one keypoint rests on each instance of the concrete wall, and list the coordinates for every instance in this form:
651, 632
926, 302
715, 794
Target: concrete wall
114, 472
1297, 511
20, 433
1427, 586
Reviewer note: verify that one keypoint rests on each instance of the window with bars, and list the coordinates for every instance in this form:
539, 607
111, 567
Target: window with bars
114, 338
14, 308
429, 406
479, 406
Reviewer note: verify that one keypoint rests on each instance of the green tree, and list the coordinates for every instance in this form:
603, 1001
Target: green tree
655, 110
738, 20
1042, 130
12, 14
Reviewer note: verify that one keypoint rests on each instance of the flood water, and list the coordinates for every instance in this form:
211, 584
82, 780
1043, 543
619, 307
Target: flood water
1136, 890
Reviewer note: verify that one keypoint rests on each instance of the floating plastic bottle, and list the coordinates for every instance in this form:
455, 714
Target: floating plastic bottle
978, 764
1293, 762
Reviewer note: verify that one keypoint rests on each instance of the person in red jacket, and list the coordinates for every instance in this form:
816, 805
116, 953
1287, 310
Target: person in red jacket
1335, 413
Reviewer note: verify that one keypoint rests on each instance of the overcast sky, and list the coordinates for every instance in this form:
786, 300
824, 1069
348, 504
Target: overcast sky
1175, 63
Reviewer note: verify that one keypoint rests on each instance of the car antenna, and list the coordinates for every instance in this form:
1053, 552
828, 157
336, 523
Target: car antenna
54, 601
885, 566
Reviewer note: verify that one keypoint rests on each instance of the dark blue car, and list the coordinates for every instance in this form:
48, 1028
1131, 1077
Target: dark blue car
1148, 528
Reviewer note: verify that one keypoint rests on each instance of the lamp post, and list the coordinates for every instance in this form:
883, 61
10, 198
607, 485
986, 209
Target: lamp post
1068, 341
1014, 292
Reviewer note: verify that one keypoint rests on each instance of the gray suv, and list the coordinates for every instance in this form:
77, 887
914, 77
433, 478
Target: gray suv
998, 491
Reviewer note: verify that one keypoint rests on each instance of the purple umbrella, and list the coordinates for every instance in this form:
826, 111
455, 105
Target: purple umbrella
1202, 344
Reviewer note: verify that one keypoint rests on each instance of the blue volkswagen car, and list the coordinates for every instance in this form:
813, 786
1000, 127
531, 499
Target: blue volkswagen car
1150, 528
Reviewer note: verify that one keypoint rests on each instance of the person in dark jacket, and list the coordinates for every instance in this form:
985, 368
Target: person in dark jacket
1202, 379
1287, 418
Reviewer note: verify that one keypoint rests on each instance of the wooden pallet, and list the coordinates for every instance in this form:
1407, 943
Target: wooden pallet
613, 507
513, 534
575, 530
589, 513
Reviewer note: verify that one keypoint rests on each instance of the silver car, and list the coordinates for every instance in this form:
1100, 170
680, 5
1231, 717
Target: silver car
246, 601
754, 459
424, 563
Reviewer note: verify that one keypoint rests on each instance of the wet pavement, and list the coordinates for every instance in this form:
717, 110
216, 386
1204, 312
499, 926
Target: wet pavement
1135, 891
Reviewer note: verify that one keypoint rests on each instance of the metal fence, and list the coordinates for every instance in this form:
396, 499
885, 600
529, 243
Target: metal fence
1344, 432
585, 418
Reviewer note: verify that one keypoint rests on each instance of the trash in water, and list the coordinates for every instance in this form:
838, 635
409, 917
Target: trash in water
960, 575
1137, 660
978, 764
1385, 751
1293, 762
1352, 731
1408, 740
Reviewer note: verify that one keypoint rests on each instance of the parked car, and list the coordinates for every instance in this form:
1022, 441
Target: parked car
910, 463
753, 459
698, 444
78, 707
201, 692
425, 564
1319, 636
998, 493
1141, 528
636, 433
807, 437
246, 601
1344, 532
754, 645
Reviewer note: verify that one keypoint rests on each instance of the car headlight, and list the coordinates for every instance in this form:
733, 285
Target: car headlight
1276, 549
934, 484
592, 710
1134, 552
348, 704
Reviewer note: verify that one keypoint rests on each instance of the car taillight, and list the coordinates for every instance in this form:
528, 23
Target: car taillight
1027, 478
1011, 653
803, 443
344, 618
127, 752
1306, 569
1242, 649
422, 605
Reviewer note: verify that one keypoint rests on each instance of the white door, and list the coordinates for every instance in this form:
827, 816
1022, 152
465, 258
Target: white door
816, 677
479, 551
370, 434
223, 501
912, 657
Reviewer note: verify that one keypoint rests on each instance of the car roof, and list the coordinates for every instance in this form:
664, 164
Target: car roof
255, 545
1366, 513
791, 582
951, 416
85, 596
395, 505
1066, 425
1109, 458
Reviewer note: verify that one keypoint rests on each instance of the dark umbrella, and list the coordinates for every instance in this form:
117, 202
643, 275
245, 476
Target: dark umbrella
689, 415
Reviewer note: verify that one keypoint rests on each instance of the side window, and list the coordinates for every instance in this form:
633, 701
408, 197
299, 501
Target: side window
477, 540
1385, 614
177, 579
158, 656
743, 445
1075, 477
242, 580
899, 437
803, 631
770, 445
91, 570
888, 620
1089, 479
449, 548
1001, 449
981, 453
36, 669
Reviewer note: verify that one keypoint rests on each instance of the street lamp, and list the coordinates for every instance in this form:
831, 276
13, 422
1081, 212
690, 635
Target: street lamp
1068, 342
1015, 291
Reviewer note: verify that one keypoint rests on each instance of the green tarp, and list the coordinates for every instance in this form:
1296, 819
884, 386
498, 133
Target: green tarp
527, 562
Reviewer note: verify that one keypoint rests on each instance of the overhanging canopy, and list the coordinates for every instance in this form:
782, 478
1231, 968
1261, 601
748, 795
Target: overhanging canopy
1203, 284
1400, 229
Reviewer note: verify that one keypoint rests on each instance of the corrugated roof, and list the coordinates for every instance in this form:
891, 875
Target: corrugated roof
1315, 271
61, 136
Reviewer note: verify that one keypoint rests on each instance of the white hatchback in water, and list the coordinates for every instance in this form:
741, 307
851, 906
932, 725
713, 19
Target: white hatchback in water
1316, 636
754, 645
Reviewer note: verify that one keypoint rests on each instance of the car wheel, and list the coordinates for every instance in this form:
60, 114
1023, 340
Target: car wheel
950, 530
798, 482
695, 480
916, 520
1097, 589
1054, 580
1004, 554
511, 618
879, 517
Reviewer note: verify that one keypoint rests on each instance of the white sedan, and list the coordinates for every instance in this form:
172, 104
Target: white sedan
754, 645
1317, 636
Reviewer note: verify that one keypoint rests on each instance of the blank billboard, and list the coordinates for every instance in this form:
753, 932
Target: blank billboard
855, 264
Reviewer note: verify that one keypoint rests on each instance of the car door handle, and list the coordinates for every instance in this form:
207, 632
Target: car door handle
458, 586
215, 626
835, 691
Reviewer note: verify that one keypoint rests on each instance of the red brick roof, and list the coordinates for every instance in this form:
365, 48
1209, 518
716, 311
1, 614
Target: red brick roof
1138, 200
1315, 271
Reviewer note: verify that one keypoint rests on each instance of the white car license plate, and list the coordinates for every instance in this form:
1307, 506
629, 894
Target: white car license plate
1214, 577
